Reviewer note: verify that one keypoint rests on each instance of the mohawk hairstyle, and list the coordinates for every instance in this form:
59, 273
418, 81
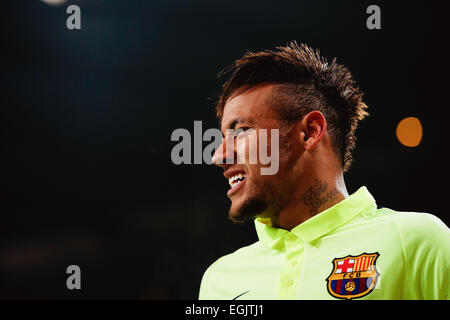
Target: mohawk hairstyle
306, 82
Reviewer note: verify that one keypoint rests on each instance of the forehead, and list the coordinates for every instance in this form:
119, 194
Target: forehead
249, 105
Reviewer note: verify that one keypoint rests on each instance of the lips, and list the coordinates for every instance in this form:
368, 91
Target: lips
236, 179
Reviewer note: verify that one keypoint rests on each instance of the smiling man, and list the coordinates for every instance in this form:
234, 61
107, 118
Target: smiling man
315, 240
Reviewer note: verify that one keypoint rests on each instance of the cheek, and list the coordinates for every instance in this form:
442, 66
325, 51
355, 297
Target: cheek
258, 182
247, 149
289, 156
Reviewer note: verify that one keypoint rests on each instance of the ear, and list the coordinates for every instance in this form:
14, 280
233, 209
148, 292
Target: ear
313, 127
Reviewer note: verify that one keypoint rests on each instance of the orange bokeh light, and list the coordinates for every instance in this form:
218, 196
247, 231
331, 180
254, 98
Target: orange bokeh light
409, 132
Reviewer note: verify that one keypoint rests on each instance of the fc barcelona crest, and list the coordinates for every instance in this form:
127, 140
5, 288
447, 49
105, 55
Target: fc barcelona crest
353, 276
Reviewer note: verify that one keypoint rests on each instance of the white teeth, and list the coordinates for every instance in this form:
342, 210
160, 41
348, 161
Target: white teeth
235, 180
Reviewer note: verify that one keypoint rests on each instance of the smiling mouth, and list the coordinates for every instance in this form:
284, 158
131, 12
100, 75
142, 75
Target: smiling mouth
236, 180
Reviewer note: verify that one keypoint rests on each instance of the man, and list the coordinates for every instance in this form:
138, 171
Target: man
315, 240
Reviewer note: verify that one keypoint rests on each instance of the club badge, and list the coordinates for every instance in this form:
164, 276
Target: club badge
353, 276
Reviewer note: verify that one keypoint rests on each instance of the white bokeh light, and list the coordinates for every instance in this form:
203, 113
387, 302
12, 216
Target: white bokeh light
54, 2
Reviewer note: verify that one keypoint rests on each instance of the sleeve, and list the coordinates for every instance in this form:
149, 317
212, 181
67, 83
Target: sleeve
426, 241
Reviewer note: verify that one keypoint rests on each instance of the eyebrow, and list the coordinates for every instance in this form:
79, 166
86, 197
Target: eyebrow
236, 121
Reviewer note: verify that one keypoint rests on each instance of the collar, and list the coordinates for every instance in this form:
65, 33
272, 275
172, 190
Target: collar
320, 224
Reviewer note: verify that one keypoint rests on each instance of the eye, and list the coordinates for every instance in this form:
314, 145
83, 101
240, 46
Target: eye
241, 131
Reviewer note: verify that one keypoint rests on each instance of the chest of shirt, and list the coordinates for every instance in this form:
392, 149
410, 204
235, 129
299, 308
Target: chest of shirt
335, 267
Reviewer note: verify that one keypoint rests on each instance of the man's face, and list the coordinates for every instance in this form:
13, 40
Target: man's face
252, 193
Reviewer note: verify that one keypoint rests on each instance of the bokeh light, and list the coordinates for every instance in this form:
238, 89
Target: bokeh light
54, 2
409, 132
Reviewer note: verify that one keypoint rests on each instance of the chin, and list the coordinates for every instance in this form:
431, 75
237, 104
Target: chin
246, 210
236, 214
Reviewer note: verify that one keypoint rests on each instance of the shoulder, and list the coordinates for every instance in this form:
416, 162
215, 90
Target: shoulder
224, 268
247, 252
413, 221
417, 227
236, 261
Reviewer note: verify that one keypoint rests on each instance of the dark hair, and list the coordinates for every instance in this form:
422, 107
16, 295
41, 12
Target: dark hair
306, 82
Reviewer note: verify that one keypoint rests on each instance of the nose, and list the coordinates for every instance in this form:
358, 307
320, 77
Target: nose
224, 155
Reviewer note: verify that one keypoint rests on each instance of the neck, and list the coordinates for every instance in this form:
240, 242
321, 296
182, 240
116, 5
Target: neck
319, 194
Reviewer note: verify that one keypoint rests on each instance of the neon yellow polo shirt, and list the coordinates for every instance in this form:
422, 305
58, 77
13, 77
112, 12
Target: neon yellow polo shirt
349, 251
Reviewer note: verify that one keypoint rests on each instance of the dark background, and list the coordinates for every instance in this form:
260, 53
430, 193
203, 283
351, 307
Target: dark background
87, 115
